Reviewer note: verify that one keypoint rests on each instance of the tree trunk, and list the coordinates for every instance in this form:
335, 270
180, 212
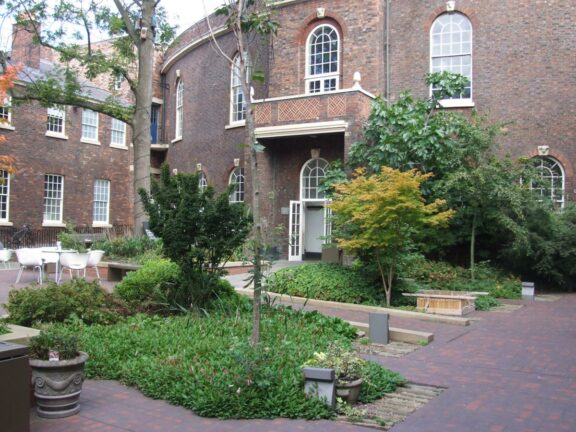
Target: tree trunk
141, 128
386, 277
473, 244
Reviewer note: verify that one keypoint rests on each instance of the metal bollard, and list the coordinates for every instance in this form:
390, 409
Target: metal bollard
528, 291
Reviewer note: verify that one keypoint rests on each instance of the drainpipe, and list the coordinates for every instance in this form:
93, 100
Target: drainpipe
387, 51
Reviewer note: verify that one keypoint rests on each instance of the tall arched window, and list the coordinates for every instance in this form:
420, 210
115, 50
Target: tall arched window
451, 48
237, 100
179, 108
202, 181
313, 172
237, 179
551, 183
323, 60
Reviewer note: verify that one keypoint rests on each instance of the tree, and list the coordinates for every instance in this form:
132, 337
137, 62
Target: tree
199, 230
7, 78
249, 21
381, 214
135, 27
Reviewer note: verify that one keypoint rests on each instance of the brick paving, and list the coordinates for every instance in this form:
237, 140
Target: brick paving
506, 372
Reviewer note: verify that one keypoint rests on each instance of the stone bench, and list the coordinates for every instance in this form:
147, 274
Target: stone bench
117, 270
455, 303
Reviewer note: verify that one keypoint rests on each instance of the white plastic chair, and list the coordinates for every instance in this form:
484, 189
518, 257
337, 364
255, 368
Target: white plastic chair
94, 258
73, 261
5, 255
49, 258
30, 258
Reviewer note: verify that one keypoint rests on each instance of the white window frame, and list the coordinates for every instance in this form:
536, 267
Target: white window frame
118, 80
238, 179
117, 127
58, 113
5, 197
312, 165
179, 112
57, 200
90, 123
551, 179
100, 198
459, 100
322, 78
237, 117
6, 114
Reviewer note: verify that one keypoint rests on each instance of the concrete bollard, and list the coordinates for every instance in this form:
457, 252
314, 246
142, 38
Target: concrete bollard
378, 328
528, 291
320, 383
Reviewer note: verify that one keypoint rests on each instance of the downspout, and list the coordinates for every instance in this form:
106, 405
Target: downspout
387, 51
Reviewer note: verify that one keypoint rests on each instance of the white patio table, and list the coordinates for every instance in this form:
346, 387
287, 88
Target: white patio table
59, 252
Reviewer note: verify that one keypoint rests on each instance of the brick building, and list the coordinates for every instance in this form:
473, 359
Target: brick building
73, 164
520, 57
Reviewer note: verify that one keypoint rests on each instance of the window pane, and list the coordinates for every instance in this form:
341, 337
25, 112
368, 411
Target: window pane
53, 197
101, 200
89, 125
4, 194
118, 132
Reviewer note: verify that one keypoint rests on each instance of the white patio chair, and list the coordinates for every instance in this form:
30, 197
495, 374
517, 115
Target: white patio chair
50, 258
30, 258
94, 258
73, 261
5, 255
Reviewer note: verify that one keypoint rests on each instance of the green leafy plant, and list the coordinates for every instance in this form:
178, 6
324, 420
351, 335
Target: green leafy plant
65, 344
132, 249
55, 303
3, 327
345, 362
484, 303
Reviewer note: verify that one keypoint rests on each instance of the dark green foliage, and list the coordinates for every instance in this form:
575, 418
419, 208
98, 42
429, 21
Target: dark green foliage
56, 303
378, 381
199, 230
484, 303
327, 282
144, 287
133, 249
203, 362
3, 327
46, 341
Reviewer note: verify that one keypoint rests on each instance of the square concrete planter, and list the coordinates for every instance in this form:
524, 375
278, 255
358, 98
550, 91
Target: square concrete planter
19, 335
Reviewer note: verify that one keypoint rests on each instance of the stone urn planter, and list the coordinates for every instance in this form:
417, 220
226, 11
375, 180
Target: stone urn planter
349, 390
57, 385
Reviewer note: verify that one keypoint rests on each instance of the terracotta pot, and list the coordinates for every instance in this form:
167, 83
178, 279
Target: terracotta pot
349, 391
57, 386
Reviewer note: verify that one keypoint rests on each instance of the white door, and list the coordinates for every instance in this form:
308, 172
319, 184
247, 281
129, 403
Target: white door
314, 229
294, 233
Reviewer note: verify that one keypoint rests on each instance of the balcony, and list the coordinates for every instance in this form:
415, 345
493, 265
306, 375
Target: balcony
312, 113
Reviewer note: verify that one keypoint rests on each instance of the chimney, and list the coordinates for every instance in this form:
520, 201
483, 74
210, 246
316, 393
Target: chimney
24, 50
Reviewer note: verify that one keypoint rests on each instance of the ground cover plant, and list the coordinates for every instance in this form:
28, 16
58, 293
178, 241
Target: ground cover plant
4, 328
327, 282
204, 362
87, 301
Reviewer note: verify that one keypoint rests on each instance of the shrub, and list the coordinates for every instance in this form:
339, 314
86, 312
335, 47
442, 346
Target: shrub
136, 249
326, 282
203, 362
146, 284
66, 345
55, 303
4, 328
486, 302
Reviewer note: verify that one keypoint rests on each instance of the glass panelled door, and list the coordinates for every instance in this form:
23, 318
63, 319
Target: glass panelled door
294, 233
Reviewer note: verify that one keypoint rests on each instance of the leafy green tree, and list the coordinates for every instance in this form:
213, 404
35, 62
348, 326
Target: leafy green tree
381, 214
251, 22
137, 29
199, 230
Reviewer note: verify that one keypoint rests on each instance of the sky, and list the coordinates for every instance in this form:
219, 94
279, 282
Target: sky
181, 12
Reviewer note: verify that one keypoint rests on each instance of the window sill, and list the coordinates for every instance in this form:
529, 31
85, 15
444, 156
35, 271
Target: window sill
7, 126
235, 125
119, 147
101, 225
89, 141
53, 224
175, 140
456, 103
6, 223
56, 135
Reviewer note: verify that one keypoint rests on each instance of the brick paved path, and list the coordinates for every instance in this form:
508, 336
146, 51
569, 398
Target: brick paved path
506, 372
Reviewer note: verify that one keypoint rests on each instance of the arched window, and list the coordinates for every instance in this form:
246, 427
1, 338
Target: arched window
179, 108
202, 181
551, 182
237, 179
451, 48
237, 99
313, 172
323, 60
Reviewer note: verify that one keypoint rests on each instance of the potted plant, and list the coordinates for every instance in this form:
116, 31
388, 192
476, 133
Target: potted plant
348, 369
57, 374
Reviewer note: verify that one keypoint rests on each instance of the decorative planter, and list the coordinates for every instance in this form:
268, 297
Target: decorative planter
349, 391
57, 386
